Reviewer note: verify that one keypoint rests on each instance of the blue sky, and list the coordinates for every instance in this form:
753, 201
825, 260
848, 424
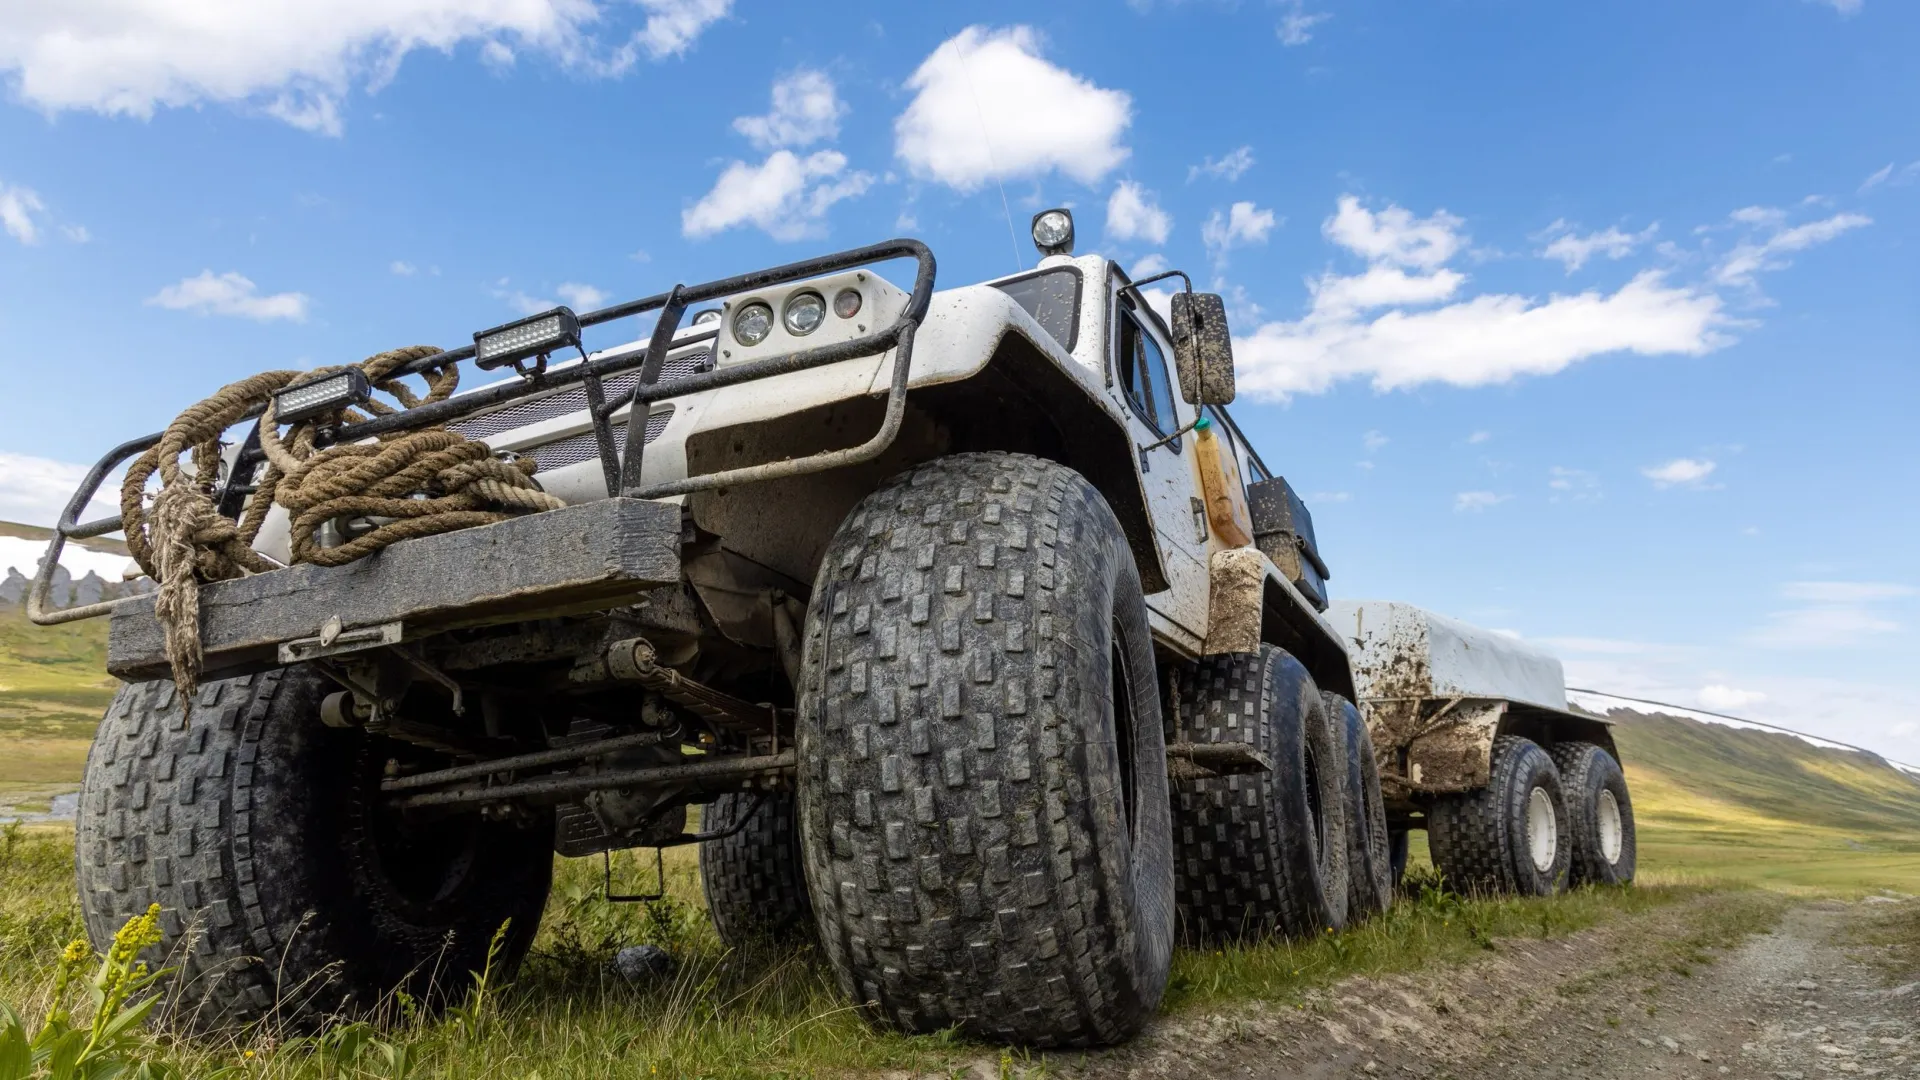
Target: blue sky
1595, 323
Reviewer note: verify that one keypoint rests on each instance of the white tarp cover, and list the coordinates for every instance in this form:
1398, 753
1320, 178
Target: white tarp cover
1399, 650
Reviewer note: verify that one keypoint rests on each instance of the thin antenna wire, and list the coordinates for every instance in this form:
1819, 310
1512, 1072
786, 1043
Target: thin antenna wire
1013, 238
1743, 720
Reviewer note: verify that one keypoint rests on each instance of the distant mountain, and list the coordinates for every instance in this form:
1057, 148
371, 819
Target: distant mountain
1722, 800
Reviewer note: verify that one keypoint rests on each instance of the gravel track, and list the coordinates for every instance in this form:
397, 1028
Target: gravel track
1632, 998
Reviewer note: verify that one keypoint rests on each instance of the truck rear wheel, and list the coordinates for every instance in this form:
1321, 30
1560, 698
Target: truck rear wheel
1264, 851
1599, 813
755, 887
1510, 836
286, 887
982, 773
1370, 871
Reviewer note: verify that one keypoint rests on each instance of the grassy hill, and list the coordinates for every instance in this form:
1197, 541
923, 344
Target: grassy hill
1768, 807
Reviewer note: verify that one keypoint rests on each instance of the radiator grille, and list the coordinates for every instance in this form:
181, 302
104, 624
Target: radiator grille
574, 399
582, 447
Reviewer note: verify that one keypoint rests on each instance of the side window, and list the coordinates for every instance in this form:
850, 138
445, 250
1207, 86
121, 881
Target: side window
1143, 375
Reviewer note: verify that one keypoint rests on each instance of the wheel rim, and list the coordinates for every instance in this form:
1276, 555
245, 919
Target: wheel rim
1543, 830
1612, 832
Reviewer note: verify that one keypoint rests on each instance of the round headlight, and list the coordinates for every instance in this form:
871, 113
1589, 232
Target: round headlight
805, 312
846, 303
752, 323
711, 314
1053, 229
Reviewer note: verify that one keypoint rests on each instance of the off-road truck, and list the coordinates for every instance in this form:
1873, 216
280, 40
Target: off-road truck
991, 652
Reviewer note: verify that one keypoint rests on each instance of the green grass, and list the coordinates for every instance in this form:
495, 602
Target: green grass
1715, 805
740, 1014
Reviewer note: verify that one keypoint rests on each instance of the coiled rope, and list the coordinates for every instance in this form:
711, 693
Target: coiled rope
409, 484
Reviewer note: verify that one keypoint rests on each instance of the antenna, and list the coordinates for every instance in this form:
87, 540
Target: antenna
1013, 238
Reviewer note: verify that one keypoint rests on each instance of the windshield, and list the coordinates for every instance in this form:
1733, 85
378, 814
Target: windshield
1052, 297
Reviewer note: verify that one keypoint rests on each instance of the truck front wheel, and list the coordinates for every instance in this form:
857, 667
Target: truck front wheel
286, 887
982, 773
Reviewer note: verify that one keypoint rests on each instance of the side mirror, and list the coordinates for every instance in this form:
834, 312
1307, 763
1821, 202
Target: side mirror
1202, 348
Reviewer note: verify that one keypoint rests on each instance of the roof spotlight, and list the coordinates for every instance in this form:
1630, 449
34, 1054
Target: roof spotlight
1053, 231
535, 335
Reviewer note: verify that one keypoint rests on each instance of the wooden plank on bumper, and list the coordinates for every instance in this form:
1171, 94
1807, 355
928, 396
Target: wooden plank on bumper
595, 554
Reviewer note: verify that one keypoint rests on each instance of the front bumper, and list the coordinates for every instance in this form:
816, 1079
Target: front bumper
587, 557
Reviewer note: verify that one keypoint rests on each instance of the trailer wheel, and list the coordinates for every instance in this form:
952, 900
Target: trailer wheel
755, 887
1371, 873
1512, 835
982, 770
1599, 812
260, 834
1261, 852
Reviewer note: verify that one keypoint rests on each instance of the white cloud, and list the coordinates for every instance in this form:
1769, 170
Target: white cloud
1477, 500
1481, 340
1242, 224
1230, 167
1572, 485
294, 60
674, 25
18, 205
1150, 265
402, 268
1573, 250
1717, 696
229, 294
34, 491
1381, 286
1879, 177
1479, 437
1832, 614
1765, 253
1374, 440
580, 297
1844, 7
1394, 235
988, 106
806, 110
1489, 339
1297, 23
76, 233
1133, 213
787, 196
1846, 592
1680, 472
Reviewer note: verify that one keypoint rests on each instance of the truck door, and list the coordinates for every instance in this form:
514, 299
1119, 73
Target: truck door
1143, 377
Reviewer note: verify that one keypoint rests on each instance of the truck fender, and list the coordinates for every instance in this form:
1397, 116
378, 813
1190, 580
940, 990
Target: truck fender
1252, 603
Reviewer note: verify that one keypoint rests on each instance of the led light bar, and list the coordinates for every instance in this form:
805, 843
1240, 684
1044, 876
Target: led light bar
317, 397
536, 335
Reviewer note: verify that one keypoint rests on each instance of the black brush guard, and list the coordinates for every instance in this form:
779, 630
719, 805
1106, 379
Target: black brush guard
622, 468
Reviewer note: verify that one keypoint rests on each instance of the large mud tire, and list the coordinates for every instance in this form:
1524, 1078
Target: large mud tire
755, 885
287, 892
1370, 871
1261, 852
1511, 836
1600, 812
982, 771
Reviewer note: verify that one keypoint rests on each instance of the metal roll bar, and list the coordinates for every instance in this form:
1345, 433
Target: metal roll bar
622, 470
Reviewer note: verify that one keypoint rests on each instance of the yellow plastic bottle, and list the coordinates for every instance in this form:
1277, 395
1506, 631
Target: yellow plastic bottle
1227, 511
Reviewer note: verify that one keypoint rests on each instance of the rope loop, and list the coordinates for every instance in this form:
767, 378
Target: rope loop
399, 486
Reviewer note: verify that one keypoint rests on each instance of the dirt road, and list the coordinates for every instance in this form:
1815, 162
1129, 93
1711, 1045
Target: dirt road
1686, 991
